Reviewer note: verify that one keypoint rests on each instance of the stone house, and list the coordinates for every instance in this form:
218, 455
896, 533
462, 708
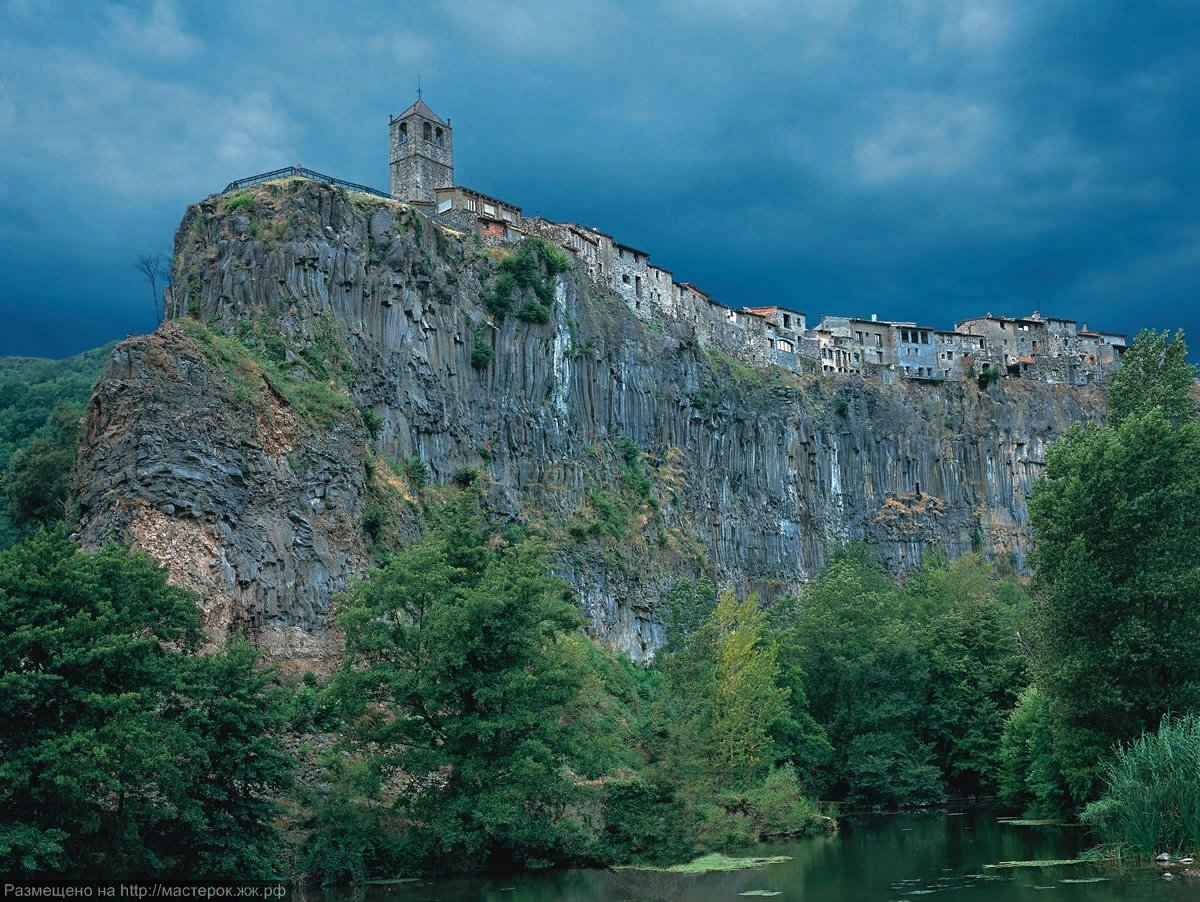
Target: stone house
916, 351
1100, 352
631, 276
839, 352
876, 340
471, 211
1015, 341
960, 356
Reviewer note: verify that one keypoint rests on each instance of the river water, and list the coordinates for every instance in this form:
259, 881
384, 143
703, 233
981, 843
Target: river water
939, 857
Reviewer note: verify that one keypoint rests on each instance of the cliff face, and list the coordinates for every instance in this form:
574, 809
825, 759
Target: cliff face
650, 457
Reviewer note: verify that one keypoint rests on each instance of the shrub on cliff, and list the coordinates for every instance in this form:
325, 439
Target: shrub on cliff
122, 754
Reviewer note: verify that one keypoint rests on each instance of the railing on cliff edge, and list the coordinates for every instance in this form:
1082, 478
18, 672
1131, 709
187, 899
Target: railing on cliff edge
301, 172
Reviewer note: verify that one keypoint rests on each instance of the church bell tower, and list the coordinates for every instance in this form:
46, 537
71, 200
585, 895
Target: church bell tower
422, 154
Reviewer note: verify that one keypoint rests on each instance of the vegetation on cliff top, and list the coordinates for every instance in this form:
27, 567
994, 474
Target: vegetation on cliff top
311, 374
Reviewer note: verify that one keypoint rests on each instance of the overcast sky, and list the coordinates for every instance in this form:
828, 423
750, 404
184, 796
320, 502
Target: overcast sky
920, 160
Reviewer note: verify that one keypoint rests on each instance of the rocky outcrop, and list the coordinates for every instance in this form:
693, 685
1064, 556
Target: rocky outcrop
751, 476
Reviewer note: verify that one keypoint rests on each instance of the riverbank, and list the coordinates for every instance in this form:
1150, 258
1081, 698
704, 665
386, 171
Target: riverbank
892, 856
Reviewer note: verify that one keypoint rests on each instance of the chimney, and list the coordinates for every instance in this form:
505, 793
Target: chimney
874, 317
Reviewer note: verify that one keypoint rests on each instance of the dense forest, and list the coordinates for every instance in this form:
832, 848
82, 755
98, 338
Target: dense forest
473, 724
41, 402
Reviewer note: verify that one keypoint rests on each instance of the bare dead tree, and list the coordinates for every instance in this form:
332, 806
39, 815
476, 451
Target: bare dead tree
154, 267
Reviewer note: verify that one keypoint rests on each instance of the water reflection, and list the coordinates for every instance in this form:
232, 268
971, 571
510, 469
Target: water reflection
935, 856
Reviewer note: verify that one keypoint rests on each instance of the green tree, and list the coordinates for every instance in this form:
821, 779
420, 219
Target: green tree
713, 728
38, 477
747, 700
964, 623
1118, 569
866, 681
459, 668
1154, 373
30, 391
121, 753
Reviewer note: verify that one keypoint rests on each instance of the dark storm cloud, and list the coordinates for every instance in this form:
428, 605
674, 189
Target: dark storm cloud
916, 159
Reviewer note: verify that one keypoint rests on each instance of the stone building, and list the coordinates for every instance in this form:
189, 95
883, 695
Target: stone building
473, 211
916, 351
876, 340
422, 158
839, 353
1015, 341
960, 356
631, 276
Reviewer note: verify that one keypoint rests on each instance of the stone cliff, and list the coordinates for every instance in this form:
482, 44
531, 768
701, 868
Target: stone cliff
328, 353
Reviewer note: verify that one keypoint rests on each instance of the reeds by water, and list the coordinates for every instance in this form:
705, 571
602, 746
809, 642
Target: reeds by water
1151, 803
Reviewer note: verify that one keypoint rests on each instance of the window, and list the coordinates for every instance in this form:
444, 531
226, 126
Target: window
472, 205
437, 137
878, 340
444, 205
638, 283
924, 338
625, 278
859, 336
427, 133
488, 209
403, 132
787, 321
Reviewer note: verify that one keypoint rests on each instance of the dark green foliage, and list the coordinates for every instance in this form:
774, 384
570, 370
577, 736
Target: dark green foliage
120, 753
416, 471
1030, 777
864, 682
534, 312
524, 274
498, 299
38, 476
685, 609
459, 666
482, 353
966, 632
911, 687
990, 376
1151, 796
348, 839
1154, 373
37, 399
243, 201
465, 476
1118, 570
373, 422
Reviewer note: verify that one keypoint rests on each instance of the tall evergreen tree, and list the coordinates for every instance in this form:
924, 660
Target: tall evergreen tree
459, 672
122, 753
